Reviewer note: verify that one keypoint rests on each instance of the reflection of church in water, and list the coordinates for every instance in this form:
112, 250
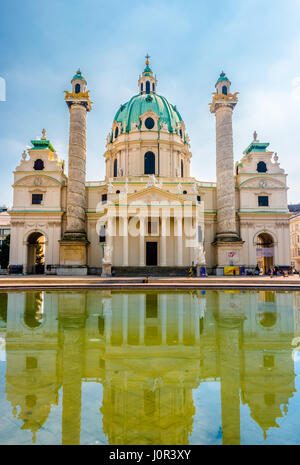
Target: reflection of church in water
149, 351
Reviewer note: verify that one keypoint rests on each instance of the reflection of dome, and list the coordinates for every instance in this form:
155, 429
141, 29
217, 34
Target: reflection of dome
267, 319
131, 111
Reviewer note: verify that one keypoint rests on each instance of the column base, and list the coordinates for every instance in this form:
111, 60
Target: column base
106, 270
73, 252
228, 254
72, 270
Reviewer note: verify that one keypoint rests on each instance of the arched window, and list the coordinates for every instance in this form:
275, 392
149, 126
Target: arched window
153, 87
180, 132
224, 90
116, 132
115, 168
261, 167
117, 192
181, 166
184, 192
38, 165
77, 88
142, 87
147, 87
149, 163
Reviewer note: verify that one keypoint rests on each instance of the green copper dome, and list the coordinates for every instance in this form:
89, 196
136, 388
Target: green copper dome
131, 111
222, 77
78, 75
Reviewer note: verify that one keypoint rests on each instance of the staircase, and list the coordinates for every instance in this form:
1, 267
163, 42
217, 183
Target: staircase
162, 271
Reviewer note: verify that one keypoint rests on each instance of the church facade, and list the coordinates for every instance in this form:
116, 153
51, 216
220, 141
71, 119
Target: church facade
149, 213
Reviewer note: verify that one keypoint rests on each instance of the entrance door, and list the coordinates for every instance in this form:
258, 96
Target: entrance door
151, 253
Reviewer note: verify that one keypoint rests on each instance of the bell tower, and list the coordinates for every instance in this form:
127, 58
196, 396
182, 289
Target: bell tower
227, 238
73, 246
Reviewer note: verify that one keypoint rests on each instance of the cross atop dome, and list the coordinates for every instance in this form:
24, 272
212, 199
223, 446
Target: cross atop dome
147, 82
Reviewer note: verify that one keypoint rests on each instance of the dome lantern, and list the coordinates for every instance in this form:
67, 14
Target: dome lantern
78, 82
223, 84
147, 82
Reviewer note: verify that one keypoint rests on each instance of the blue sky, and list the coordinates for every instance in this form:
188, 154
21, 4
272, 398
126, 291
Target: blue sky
256, 43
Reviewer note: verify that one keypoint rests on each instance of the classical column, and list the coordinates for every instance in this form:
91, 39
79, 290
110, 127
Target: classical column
179, 239
163, 241
142, 241
222, 106
74, 243
125, 240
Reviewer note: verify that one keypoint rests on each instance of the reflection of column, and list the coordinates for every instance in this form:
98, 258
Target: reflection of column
180, 319
72, 319
142, 319
163, 312
142, 241
229, 334
72, 372
163, 239
125, 318
106, 302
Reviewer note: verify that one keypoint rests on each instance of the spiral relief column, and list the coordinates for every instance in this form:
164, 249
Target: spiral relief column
227, 238
73, 247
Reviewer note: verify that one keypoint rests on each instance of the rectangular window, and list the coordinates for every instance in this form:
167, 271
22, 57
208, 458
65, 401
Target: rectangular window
263, 201
268, 361
102, 236
31, 363
37, 199
104, 198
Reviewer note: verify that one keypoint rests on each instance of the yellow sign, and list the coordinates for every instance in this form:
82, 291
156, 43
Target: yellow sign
231, 270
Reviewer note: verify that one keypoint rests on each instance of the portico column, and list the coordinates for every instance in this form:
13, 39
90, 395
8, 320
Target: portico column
125, 240
179, 240
142, 241
163, 238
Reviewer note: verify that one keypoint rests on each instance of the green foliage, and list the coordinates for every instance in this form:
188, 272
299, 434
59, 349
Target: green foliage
39, 257
4, 252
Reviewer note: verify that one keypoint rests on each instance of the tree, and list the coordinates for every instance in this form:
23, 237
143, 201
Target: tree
4, 252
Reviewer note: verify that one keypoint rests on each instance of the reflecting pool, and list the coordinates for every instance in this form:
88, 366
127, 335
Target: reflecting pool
174, 368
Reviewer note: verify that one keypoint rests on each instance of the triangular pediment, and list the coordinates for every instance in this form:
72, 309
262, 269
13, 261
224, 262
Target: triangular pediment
153, 194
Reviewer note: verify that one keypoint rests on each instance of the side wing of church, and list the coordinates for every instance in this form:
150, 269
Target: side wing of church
149, 215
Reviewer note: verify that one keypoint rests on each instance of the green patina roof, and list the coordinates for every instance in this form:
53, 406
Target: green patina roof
147, 71
42, 144
130, 111
78, 75
256, 147
222, 77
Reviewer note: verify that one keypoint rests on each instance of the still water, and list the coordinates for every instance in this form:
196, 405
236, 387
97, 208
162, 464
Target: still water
111, 367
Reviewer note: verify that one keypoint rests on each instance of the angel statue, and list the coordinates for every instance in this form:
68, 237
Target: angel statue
200, 255
107, 253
